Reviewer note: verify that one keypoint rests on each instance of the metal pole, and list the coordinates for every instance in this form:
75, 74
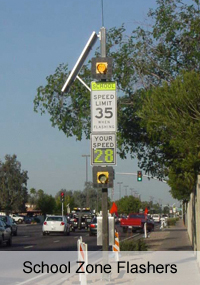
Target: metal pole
103, 42
131, 189
125, 189
105, 241
120, 194
97, 201
145, 230
86, 169
87, 196
143, 175
62, 208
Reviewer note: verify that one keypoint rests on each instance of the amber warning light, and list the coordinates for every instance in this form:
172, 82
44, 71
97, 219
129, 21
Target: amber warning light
101, 67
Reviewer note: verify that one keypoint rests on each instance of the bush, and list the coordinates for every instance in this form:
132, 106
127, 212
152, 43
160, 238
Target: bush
171, 221
133, 245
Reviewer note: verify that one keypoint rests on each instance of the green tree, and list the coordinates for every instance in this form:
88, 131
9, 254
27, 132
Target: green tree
144, 59
166, 210
32, 197
171, 114
13, 182
46, 203
128, 204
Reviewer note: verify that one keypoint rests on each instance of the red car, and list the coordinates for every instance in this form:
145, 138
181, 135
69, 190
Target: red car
136, 221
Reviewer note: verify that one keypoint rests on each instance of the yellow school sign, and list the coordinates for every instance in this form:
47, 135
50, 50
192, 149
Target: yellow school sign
105, 86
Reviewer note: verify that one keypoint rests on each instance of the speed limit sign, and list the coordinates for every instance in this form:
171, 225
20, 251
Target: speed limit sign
103, 107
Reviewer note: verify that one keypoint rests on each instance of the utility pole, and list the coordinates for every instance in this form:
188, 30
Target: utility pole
86, 181
151, 199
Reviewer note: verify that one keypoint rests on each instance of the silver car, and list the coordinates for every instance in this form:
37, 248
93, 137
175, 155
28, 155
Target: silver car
10, 223
56, 224
5, 234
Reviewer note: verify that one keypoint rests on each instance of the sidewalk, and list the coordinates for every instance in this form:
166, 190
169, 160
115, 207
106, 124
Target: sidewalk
174, 238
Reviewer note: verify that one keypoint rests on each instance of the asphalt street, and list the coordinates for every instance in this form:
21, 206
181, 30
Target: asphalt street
30, 238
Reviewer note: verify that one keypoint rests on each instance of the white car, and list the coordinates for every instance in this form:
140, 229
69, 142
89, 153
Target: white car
17, 218
56, 224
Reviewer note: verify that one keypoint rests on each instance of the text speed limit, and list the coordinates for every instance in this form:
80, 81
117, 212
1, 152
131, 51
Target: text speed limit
103, 149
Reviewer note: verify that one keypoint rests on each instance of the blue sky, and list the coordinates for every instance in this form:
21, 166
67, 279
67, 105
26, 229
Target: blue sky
36, 36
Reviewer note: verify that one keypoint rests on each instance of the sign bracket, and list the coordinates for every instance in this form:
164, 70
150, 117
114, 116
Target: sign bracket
83, 83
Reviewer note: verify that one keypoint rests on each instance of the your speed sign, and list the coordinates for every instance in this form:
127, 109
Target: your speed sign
103, 107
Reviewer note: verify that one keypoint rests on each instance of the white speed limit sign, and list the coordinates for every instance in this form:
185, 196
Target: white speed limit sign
103, 107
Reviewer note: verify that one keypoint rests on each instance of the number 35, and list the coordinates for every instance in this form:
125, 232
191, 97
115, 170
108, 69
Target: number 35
108, 113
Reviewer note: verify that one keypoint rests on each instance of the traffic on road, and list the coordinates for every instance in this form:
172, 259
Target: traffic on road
56, 234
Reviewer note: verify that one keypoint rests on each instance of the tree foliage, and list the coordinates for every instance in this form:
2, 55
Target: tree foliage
145, 59
78, 198
128, 204
13, 182
171, 114
94, 197
46, 203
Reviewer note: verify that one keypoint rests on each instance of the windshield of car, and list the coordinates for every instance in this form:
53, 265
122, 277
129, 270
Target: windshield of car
58, 219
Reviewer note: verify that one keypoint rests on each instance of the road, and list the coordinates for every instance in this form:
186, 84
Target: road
30, 238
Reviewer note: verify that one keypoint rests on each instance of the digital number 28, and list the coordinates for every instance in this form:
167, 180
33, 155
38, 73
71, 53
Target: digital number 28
107, 153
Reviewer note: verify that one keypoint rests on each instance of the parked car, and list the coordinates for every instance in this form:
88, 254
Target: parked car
18, 219
93, 227
10, 223
56, 224
5, 234
28, 219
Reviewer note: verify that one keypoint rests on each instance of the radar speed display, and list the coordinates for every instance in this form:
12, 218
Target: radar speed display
103, 149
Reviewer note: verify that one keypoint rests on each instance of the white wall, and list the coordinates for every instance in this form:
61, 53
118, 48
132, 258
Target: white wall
192, 216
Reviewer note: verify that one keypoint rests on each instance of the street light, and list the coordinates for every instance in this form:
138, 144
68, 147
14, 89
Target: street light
120, 194
151, 198
132, 190
125, 189
87, 196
